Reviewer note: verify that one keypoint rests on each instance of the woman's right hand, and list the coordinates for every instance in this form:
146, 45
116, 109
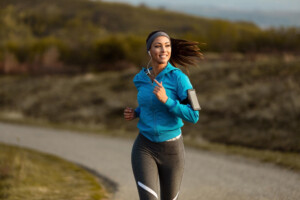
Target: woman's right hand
129, 114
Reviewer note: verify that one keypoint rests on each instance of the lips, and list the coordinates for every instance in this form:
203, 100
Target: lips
163, 56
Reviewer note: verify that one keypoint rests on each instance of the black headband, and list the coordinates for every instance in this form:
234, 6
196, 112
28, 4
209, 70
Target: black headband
155, 35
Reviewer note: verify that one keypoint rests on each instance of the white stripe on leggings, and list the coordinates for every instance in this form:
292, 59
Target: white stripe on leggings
176, 196
147, 189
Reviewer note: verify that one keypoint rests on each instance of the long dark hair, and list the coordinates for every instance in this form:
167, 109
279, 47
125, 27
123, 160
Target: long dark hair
184, 53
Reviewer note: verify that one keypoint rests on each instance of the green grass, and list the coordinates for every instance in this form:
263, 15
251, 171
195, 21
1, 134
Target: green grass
29, 175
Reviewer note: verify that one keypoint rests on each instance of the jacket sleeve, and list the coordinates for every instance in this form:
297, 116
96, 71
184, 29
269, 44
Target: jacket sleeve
183, 111
137, 111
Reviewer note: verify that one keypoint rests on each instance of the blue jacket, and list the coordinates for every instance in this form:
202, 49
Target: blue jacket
158, 121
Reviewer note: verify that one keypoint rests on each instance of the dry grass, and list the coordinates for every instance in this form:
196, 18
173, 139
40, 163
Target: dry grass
29, 175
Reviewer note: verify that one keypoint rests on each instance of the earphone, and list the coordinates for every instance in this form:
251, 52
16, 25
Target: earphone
148, 71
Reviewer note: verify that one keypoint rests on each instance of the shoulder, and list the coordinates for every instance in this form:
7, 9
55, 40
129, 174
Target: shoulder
179, 73
180, 77
138, 75
183, 81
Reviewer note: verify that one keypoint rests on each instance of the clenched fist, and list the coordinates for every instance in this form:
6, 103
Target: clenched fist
129, 114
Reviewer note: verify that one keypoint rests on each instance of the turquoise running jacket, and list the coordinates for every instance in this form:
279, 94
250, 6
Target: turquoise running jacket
163, 121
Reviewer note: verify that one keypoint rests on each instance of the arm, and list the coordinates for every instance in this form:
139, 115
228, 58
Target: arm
137, 111
183, 111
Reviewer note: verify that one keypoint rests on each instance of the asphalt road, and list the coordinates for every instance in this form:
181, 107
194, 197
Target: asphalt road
208, 176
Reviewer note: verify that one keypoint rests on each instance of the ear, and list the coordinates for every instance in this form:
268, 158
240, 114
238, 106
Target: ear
149, 53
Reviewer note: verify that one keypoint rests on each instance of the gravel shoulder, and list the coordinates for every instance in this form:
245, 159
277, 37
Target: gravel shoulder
207, 175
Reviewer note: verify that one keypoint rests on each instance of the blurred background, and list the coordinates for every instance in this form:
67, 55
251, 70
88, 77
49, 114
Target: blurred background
71, 63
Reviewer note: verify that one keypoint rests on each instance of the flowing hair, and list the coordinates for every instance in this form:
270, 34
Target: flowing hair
184, 53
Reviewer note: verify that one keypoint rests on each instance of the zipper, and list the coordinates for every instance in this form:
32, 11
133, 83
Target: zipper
154, 117
154, 112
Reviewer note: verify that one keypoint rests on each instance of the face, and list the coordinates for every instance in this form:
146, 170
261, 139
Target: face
161, 50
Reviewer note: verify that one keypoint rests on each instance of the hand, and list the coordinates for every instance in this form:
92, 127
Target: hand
129, 114
160, 92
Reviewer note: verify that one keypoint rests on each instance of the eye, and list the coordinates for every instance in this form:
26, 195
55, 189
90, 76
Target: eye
167, 45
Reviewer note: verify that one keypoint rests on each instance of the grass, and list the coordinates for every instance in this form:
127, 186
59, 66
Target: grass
29, 175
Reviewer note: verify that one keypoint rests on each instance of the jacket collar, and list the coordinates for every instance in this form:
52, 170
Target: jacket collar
166, 70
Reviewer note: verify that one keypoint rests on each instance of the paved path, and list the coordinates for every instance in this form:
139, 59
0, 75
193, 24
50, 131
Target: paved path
208, 176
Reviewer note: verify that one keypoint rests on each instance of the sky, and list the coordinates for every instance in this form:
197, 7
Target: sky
265, 13
247, 5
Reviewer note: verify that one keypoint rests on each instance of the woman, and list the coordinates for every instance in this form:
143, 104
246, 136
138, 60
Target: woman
158, 151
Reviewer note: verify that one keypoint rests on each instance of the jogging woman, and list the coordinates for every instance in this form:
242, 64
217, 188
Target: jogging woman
158, 151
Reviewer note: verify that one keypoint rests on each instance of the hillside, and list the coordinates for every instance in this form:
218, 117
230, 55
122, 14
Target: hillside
94, 35
50, 18
252, 103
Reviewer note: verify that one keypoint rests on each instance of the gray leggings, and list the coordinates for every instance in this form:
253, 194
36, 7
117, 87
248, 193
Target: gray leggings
163, 160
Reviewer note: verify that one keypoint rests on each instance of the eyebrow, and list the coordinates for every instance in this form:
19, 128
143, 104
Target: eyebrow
160, 43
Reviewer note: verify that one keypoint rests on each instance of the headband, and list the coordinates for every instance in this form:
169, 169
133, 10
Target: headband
155, 35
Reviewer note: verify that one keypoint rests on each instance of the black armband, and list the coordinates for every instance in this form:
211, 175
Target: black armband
185, 101
192, 100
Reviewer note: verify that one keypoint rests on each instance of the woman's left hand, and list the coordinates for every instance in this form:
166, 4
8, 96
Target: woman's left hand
160, 92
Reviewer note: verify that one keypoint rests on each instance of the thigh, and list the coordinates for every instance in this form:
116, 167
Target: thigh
171, 170
145, 171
